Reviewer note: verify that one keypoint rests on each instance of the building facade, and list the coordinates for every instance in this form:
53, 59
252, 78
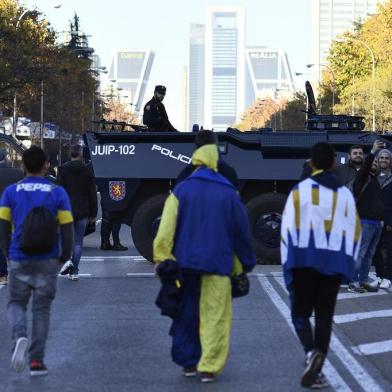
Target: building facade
332, 18
130, 70
196, 78
224, 88
268, 74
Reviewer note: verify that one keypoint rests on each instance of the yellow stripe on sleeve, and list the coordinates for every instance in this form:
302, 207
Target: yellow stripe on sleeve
5, 214
164, 240
64, 217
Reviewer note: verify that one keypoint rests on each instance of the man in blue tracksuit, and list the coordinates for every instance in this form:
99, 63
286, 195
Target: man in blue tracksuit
205, 228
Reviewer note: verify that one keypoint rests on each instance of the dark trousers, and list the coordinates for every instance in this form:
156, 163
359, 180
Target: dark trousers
186, 348
3, 265
110, 225
383, 256
313, 291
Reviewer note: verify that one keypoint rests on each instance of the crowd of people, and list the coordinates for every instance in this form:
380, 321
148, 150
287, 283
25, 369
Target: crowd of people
336, 221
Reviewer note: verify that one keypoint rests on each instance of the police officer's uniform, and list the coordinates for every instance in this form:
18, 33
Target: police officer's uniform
155, 116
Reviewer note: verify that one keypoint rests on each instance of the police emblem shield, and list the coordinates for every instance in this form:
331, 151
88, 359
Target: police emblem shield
117, 190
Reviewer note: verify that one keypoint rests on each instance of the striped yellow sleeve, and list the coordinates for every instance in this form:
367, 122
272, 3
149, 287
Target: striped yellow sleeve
164, 240
64, 217
5, 214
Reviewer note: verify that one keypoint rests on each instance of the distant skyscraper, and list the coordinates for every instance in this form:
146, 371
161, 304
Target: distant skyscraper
268, 72
224, 95
196, 75
334, 17
131, 69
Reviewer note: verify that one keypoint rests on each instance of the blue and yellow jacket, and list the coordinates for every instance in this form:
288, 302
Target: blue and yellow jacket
320, 228
204, 222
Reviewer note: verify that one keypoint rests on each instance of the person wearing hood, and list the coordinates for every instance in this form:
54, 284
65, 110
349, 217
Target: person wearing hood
320, 239
383, 259
370, 204
205, 229
79, 182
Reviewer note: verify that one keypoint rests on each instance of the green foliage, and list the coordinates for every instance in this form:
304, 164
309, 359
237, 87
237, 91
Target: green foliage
351, 61
29, 56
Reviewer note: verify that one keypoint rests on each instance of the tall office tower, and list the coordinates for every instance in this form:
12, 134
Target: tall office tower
130, 70
196, 75
185, 104
331, 18
268, 74
224, 95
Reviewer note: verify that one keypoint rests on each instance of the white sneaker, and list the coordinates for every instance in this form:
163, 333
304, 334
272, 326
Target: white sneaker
18, 360
385, 284
73, 277
375, 283
67, 268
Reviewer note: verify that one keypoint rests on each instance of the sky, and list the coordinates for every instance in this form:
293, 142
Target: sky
163, 26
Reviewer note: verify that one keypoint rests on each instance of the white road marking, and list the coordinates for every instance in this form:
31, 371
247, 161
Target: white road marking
359, 374
374, 348
334, 378
340, 295
348, 318
140, 274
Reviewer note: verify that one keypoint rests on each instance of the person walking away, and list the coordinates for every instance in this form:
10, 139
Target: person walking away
34, 255
370, 204
154, 113
208, 137
320, 238
8, 176
78, 180
347, 172
383, 258
206, 209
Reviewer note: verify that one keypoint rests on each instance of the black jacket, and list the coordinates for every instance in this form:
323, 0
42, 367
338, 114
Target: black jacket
8, 176
386, 187
345, 172
223, 168
155, 116
367, 192
79, 183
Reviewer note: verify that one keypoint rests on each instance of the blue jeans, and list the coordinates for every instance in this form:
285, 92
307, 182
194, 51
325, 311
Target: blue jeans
36, 279
79, 228
3, 265
370, 236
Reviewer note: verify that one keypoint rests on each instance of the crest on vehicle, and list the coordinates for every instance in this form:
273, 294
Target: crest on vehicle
117, 190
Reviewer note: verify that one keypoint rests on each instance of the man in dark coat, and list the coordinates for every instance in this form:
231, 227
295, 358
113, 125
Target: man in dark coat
8, 176
155, 116
347, 172
79, 183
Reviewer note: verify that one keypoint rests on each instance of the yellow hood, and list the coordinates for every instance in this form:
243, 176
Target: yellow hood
206, 156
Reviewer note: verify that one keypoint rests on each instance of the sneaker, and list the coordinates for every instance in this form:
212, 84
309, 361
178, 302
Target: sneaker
189, 371
375, 283
385, 284
366, 287
309, 376
3, 280
206, 377
67, 268
320, 382
355, 288
120, 247
73, 277
38, 368
18, 360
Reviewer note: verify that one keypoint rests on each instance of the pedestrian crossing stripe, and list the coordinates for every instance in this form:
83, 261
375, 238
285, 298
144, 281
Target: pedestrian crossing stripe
374, 348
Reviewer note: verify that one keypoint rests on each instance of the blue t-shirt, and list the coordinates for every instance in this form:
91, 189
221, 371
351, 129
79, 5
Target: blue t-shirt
20, 198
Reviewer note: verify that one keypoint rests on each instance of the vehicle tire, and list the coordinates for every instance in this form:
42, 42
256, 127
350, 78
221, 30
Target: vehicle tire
265, 216
145, 224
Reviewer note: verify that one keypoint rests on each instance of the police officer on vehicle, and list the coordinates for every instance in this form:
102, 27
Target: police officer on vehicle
155, 116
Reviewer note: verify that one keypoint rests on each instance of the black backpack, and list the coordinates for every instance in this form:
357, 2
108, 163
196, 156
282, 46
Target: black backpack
39, 231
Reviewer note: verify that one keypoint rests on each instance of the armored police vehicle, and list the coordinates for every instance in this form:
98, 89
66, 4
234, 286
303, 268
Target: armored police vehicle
136, 170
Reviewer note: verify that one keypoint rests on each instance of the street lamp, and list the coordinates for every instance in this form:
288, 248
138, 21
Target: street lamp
373, 74
333, 80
